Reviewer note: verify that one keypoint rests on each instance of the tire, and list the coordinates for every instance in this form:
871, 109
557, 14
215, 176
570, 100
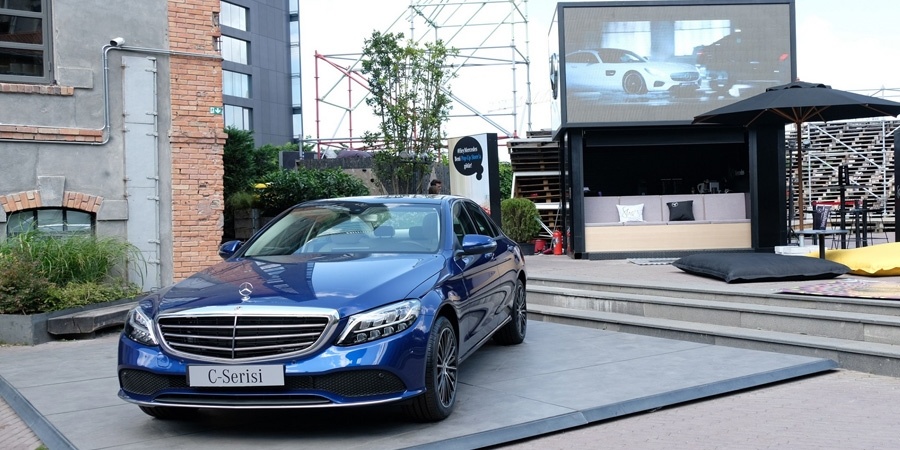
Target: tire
633, 83
169, 412
441, 375
513, 333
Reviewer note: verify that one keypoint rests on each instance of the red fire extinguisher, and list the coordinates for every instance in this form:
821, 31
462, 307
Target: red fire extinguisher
557, 243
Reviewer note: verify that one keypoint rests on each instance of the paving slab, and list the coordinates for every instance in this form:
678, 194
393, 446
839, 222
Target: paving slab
561, 377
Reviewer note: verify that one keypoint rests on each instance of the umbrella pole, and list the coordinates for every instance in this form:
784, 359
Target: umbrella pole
799, 178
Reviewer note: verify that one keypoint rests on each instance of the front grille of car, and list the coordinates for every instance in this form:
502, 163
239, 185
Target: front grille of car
351, 383
685, 76
241, 337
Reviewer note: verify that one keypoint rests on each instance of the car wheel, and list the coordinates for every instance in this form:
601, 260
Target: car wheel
168, 413
633, 83
441, 375
514, 331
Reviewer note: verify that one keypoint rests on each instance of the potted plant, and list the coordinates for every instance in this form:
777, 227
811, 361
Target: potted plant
520, 221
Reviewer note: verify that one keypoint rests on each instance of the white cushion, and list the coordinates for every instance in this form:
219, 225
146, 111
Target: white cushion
631, 213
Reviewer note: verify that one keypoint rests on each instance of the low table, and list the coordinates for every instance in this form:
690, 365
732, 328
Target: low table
819, 234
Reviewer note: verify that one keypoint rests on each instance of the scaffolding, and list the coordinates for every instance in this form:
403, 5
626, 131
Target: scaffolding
490, 35
863, 147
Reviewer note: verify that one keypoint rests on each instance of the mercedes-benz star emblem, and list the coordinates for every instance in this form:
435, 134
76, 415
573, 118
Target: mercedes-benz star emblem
245, 291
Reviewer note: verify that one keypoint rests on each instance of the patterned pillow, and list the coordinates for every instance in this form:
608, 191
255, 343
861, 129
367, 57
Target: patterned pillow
683, 210
631, 213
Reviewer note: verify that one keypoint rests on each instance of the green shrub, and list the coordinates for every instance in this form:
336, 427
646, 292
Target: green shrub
519, 219
76, 258
23, 290
88, 293
37, 270
286, 188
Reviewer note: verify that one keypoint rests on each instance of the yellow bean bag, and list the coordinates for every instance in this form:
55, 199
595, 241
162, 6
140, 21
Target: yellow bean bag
882, 260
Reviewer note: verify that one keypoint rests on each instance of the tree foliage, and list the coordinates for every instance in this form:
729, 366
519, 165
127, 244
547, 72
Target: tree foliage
506, 176
237, 160
245, 164
410, 94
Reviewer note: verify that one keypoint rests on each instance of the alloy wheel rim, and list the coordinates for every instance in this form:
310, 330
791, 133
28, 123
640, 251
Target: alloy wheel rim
521, 310
445, 367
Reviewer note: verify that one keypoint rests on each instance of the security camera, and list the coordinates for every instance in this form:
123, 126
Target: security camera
117, 42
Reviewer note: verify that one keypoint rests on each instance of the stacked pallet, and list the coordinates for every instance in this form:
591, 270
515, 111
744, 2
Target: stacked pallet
535, 165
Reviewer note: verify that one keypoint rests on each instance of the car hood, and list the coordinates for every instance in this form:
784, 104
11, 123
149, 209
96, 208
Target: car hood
671, 67
348, 283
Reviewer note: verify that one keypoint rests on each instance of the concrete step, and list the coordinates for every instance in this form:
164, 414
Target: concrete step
871, 357
846, 325
851, 305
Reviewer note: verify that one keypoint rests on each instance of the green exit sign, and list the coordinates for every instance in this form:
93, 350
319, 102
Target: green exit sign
216, 110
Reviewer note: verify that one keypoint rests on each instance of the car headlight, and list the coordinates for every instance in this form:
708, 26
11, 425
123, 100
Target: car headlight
139, 327
381, 322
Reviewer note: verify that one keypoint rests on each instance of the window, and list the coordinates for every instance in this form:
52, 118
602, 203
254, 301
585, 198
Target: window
237, 117
462, 224
483, 224
235, 50
50, 220
235, 84
24, 41
233, 16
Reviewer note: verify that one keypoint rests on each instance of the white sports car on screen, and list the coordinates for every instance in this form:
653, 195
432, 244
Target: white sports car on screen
623, 71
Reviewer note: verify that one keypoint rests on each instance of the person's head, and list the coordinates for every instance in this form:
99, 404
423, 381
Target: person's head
435, 187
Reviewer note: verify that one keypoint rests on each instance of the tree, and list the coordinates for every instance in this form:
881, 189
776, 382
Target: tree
410, 95
238, 161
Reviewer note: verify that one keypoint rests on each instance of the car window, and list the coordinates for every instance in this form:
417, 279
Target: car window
581, 58
462, 224
483, 224
351, 227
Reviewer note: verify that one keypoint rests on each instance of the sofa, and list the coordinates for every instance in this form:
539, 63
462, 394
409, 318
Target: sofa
720, 221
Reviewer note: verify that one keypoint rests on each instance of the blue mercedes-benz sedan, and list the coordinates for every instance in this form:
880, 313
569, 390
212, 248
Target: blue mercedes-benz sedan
338, 302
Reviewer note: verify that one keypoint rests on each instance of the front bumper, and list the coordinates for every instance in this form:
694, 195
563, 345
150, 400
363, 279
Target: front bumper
386, 370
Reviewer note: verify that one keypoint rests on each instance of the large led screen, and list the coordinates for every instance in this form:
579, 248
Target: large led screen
666, 62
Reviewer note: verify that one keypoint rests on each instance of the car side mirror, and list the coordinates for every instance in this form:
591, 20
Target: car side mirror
228, 249
476, 244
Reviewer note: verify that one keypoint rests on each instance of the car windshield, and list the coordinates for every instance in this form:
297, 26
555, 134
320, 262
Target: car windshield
349, 227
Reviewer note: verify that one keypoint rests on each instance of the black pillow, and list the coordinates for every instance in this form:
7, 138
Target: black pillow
745, 267
683, 210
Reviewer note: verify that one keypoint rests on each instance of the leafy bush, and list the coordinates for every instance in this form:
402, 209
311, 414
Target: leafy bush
244, 164
36, 271
286, 188
519, 219
88, 293
78, 258
22, 289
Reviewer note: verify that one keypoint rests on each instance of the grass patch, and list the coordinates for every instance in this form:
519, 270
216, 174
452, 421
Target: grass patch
42, 273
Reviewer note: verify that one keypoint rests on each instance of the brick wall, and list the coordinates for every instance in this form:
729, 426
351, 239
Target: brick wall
32, 199
197, 137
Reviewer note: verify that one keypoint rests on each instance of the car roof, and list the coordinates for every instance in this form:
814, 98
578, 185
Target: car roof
392, 199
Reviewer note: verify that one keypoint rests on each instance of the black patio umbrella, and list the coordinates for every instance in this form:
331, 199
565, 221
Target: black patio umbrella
796, 103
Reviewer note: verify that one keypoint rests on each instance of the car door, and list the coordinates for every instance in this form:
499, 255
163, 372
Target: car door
585, 72
501, 265
482, 278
